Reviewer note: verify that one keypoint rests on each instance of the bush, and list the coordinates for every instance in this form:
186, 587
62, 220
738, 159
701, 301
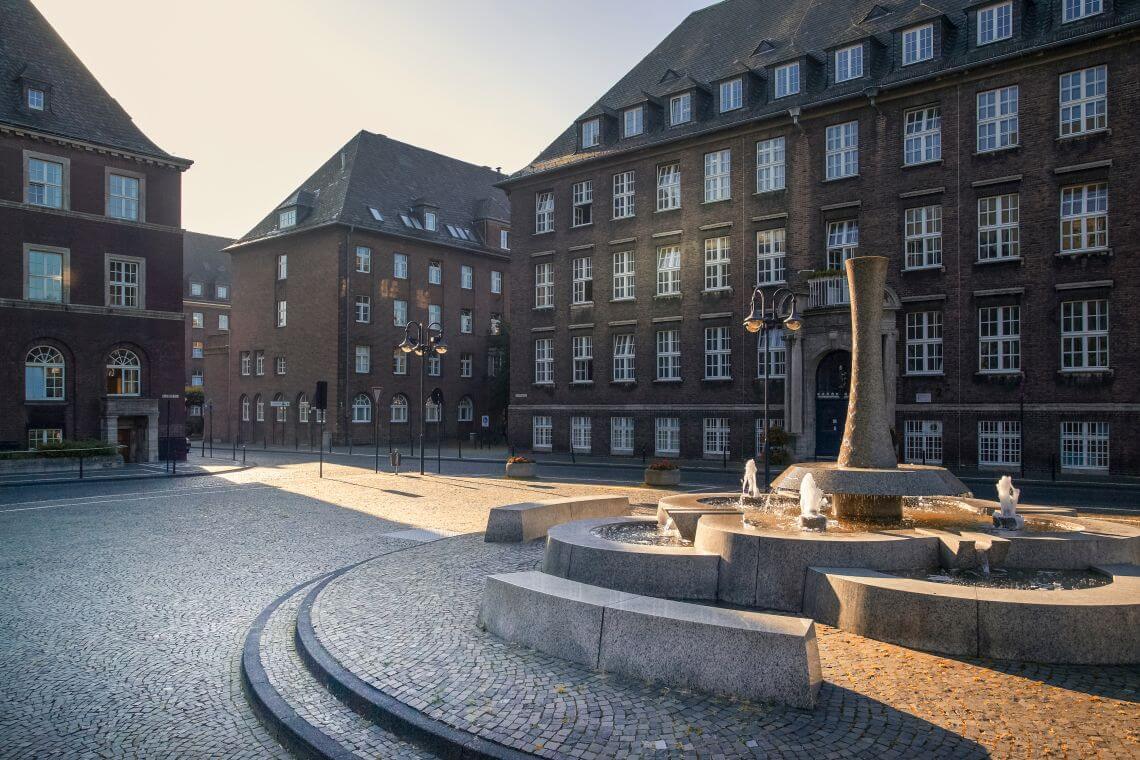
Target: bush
662, 464
65, 450
520, 460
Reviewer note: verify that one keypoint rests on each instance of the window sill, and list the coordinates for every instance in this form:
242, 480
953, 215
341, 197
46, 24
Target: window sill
829, 180
717, 291
924, 374
714, 202
623, 218
1086, 252
581, 226
574, 383
996, 151
667, 210
667, 380
1092, 133
772, 284
582, 305
1002, 260
543, 385
667, 296
537, 234
629, 383
920, 164
631, 299
773, 191
1006, 377
536, 308
716, 379
931, 268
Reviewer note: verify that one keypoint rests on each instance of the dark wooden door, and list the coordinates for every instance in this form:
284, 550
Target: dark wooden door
832, 381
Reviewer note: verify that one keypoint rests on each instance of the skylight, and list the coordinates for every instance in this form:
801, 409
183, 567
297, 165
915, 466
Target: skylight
376, 213
411, 221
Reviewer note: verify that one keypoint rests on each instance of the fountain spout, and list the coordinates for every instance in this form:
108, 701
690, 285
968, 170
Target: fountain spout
1007, 518
811, 498
749, 486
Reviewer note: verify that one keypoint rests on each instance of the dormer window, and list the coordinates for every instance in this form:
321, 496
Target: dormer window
995, 23
849, 63
681, 109
633, 121
731, 95
787, 79
918, 44
591, 133
287, 218
431, 221
37, 99
1078, 9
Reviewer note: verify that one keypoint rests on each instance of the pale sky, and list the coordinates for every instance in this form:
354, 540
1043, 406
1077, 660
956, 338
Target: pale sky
258, 93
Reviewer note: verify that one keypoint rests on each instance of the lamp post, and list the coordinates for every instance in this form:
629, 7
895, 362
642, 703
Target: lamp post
763, 318
427, 342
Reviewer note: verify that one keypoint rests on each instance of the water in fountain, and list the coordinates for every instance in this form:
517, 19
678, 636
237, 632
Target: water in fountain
1017, 579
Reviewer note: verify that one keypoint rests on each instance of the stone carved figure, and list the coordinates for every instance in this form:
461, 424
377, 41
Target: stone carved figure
1007, 518
749, 486
811, 499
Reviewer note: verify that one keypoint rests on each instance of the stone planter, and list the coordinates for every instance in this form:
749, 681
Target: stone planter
521, 469
662, 477
58, 464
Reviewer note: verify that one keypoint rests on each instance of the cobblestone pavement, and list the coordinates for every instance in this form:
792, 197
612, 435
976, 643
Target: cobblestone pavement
123, 605
407, 625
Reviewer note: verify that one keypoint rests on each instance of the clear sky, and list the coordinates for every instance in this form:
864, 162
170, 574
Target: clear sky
260, 92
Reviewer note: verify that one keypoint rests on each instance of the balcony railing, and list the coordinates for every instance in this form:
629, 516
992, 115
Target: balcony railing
824, 292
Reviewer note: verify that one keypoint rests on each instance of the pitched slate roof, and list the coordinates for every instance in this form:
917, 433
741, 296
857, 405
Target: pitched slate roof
736, 35
374, 171
205, 260
78, 106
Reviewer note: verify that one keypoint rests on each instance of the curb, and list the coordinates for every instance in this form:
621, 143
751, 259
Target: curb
125, 478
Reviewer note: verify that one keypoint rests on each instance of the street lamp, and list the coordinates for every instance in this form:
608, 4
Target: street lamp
423, 347
761, 318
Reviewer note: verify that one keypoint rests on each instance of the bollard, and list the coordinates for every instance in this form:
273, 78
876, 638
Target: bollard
234, 455
81, 466
243, 454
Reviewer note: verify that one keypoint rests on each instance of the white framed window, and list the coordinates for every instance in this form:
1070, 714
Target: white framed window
223, 321
542, 432
1084, 218
924, 343
997, 119
716, 436
45, 276
624, 361
771, 255
435, 314
999, 339
680, 109
923, 237
363, 309
591, 133
123, 197
787, 79
582, 197
124, 283
399, 362
922, 442
36, 100
995, 22
771, 355
842, 150
624, 205
668, 186
731, 95
197, 349
259, 363
244, 409
435, 273
1084, 101
718, 263
922, 140
45, 183
669, 270
287, 218
44, 368
282, 266
999, 232
580, 434
246, 363
303, 409
195, 288
1084, 335
1078, 9
718, 353
842, 242
467, 365
667, 436
544, 212
582, 357
543, 361
466, 277
363, 360
999, 443
38, 437
363, 259
848, 63
505, 240
1084, 445
668, 355
496, 281
623, 275
621, 435
918, 44
544, 285
633, 121
399, 408
400, 266
773, 423
124, 373
582, 280
435, 365
282, 313
466, 321
280, 365
770, 165
718, 176
465, 410
361, 409
400, 313
222, 292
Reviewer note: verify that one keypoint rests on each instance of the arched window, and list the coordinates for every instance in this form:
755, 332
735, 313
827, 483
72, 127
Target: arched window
43, 374
362, 409
465, 410
280, 411
124, 373
302, 409
259, 406
245, 408
399, 408
432, 412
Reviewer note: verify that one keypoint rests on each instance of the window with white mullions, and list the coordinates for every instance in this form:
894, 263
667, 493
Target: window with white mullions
668, 354
633, 122
849, 63
544, 285
43, 374
787, 79
582, 285
770, 165
123, 283
1084, 101
997, 119
669, 270
999, 233
124, 373
591, 133
399, 408
731, 95
544, 212
623, 275
923, 237
922, 442
771, 355
718, 176
718, 354
582, 358
45, 276
541, 432
624, 358
718, 263
999, 339
1078, 9
924, 343
123, 197
667, 436
918, 44
582, 197
621, 435
842, 150
999, 443
716, 436
668, 187
770, 256
922, 136
842, 242
1084, 335
544, 361
1084, 218
995, 23
680, 109
580, 434
1084, 445
624, 199
45, 183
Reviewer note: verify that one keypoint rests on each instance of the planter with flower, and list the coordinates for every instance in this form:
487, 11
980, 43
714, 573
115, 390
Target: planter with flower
662, 473
521, 467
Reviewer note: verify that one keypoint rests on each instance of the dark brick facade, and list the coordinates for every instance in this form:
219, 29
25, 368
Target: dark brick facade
207, 295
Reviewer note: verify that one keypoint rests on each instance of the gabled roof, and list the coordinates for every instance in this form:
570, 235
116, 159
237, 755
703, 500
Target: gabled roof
78, 106
204, 259
372, 171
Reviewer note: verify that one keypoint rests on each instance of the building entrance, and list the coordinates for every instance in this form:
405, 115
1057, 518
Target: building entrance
832, 381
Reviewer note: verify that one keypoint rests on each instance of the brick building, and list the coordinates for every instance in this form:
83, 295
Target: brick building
90, 254
206, 295
982, 147
383, 233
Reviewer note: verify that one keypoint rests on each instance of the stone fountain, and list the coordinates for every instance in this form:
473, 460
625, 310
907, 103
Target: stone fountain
867, 484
